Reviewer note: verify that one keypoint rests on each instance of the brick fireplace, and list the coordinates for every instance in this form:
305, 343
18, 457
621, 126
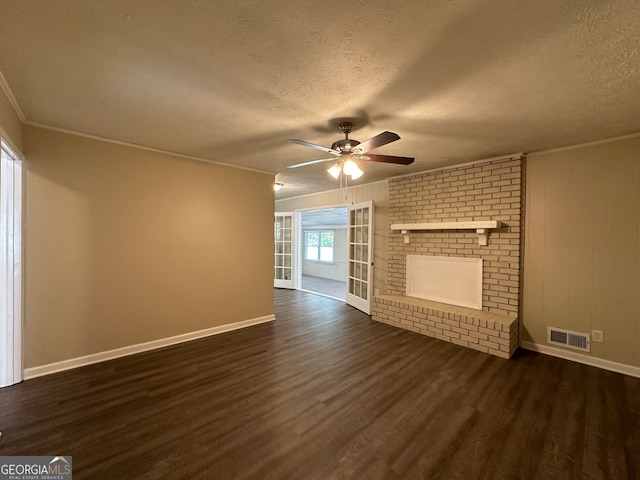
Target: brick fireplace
465, 195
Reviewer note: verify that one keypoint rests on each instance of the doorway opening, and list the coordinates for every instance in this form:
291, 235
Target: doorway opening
322, 247
320, 243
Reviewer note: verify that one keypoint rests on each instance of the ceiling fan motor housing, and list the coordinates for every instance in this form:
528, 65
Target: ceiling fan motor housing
345, 146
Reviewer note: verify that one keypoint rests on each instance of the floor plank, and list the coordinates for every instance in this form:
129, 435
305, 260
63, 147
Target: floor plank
325, 393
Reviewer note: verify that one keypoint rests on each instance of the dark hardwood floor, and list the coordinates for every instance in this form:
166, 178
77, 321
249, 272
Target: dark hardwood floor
326, 393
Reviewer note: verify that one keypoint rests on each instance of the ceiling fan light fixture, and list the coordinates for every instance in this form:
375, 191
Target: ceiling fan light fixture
357, 174
335, 170
352, 169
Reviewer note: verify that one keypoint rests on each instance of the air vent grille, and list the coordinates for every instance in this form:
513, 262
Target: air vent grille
568, 338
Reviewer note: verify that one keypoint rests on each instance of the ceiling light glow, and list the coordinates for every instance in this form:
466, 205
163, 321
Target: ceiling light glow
335, 170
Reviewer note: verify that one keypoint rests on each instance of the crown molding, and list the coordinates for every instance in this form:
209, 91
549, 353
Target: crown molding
585, 144
143, 147
12, 99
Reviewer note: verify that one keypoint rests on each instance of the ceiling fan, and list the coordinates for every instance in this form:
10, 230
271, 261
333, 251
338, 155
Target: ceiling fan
349, 151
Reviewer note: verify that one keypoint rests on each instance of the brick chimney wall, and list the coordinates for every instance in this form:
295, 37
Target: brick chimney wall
484, 191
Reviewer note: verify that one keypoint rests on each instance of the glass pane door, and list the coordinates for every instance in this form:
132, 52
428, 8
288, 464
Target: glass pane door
283, 235
360, 253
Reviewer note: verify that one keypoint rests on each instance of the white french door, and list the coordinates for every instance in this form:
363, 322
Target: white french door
360, 254
284, 255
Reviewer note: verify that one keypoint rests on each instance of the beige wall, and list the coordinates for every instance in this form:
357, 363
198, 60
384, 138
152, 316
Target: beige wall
582, 248
379, 193
10, 125
125, 246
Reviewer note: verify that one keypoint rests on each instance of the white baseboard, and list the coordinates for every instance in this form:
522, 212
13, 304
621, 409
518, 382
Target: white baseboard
140, 347
582, 358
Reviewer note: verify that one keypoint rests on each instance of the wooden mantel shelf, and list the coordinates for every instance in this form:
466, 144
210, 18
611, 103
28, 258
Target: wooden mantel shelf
482, 228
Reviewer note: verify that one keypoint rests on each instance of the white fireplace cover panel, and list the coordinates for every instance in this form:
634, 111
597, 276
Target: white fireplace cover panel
452, 280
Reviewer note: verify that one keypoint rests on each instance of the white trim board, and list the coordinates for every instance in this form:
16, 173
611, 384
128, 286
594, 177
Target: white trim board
50, 368
584, 359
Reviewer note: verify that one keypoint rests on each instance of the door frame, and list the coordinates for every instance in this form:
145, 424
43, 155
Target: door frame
299, 235
11, 265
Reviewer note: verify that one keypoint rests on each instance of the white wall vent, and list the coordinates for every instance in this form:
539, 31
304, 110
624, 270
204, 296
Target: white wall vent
569, 339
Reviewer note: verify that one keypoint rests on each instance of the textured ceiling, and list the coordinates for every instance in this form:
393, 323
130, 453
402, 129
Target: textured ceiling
231, 80
325, 218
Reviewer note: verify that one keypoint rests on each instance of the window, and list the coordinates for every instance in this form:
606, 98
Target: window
318, 246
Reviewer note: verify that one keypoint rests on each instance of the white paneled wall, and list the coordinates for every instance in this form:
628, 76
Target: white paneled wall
582, 246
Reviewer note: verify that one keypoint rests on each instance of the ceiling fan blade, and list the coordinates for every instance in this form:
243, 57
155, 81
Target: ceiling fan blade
311, 162
313, 145
388, 159
377, 141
